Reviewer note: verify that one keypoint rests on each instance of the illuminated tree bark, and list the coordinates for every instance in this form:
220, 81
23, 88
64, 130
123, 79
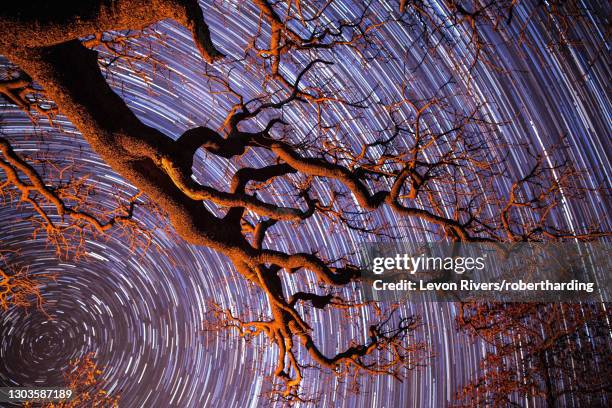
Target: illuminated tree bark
50, 46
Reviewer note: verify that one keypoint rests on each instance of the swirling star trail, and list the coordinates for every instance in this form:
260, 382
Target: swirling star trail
142, 315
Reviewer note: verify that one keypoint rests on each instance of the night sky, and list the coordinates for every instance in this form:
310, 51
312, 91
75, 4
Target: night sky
141, 313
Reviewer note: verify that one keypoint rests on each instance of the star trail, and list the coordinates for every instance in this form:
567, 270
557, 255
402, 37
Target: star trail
141, 312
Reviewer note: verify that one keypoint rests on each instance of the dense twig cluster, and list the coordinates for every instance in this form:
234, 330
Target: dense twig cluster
66, 211
19, 288
83, 379
547, 351
430, 162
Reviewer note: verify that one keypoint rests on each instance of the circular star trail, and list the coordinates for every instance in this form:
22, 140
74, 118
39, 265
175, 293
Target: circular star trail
142, 313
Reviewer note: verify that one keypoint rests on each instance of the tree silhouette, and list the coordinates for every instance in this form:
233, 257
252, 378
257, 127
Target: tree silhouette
445, 174
552, 352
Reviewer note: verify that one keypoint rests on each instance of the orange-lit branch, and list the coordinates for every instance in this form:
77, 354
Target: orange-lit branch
83, 378
18, 288
66, 231
437, 167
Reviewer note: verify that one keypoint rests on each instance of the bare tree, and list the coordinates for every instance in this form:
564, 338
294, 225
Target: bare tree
552, 352
447, 178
